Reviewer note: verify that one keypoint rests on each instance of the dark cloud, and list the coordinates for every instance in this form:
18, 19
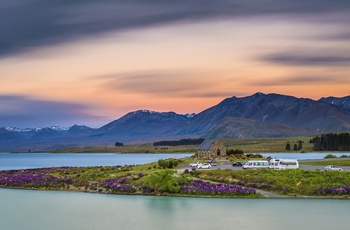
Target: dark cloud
301, 58
301, 80
30, 24
345, 36
24, 112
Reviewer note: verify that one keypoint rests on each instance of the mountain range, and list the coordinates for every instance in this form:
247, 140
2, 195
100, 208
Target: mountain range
258, 115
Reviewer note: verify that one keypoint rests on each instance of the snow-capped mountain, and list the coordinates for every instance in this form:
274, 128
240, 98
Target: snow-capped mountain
258, 115
37, 129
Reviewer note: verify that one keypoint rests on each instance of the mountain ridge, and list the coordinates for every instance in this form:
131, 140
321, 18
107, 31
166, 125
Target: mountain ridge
262, 115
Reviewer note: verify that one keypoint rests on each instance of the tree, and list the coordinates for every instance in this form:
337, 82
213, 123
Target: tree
332, 142
295, 148
300, 144
288, 146
118, 144
179, 142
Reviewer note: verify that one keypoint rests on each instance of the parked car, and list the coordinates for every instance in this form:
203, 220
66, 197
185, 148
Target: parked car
256, 164
204, 166
212, 162
237, 164
195, 164
332, 168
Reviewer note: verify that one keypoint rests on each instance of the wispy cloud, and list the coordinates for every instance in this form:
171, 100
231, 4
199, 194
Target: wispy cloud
161, 83
302, 58
22, 111
35, 23
339, 37
300, 80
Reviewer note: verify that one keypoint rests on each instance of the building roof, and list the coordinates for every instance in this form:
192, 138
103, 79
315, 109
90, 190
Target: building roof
206, 145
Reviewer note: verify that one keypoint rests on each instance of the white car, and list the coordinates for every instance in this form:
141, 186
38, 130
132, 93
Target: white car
204, 166
332, 168
195, 164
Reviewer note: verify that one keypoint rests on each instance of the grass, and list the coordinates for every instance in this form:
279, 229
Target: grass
248, 145
147, 179
261, 145
135, 148
337, 162
289, 182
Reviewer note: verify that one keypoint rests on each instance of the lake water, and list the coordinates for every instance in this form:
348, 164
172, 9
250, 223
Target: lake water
43, 210
42, 160
56, 210
303, 156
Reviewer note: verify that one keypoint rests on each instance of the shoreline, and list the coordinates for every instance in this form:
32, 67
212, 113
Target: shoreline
282, 197
148, 179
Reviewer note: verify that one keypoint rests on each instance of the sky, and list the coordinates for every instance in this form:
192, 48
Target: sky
91, 62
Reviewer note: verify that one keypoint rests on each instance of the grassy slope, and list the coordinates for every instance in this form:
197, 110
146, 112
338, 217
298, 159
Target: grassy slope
87, 179
137, 148
288, 182
256, 145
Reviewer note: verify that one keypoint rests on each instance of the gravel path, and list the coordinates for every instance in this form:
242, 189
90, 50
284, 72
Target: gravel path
270, 194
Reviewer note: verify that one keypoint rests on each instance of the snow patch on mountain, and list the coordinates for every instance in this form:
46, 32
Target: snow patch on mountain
37, 129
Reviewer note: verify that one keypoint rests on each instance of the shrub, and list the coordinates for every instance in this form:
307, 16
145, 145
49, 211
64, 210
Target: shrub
118, 144
147, 189
234, 152
330, 156
169, 163
251, 155
162, 181
200, 187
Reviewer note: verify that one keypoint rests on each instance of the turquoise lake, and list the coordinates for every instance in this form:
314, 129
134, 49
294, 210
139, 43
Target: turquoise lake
39, 160
51, 210
42, 160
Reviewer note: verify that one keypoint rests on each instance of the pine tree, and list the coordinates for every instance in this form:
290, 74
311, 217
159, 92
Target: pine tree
288, 146
295, 147
300, 144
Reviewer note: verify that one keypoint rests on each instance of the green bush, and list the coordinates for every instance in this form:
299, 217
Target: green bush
168, 163
163, 181
234, 152
330, 156
252, 155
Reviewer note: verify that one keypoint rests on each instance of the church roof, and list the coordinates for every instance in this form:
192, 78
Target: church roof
206, 145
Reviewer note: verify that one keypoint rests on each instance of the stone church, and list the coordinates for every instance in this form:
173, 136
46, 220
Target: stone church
211, 149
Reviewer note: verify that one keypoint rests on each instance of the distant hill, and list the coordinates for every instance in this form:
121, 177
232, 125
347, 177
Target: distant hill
342, 102
273, 108
236, 127
142, 123
258, 115
8, 135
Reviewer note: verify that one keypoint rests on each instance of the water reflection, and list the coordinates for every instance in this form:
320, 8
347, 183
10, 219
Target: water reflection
41, 210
